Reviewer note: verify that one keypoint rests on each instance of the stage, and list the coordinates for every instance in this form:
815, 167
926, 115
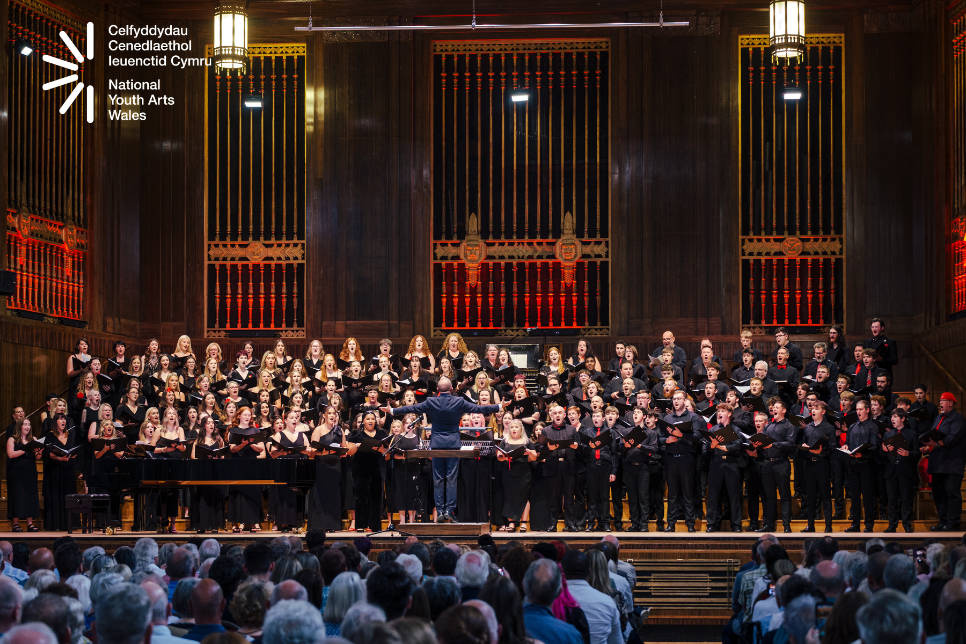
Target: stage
684, 578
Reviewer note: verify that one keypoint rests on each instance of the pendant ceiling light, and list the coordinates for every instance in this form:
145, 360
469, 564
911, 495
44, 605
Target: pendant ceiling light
231, 34
786, 28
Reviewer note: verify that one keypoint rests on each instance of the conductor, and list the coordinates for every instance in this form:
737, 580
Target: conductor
444, 414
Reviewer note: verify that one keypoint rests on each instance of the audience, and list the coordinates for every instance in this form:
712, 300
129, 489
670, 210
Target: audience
600, 610
160, 612
889, 617
441, 592
293, 622
346, 590
249, 606
11, 603
122, 615
472, 569
289, 590
542, 585
390, 588
207, 605
463, 624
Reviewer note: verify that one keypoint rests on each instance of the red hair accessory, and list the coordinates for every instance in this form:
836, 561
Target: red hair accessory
80, 395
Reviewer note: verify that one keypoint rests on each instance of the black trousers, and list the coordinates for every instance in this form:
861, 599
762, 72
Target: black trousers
598, 485
949, 499
579, 485
840, 480
881, 492
658, 481
862, 477
637, 480
561, 493
367, 486
617, 494
702, 465
680, 488
753, 486
799, 476
818, 475
724, 473
899, 487
776, 478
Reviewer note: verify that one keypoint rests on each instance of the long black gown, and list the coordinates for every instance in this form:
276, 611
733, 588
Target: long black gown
59, 481
325, 499
402, 474
286, 498
516, 475
473, 484
22, 497
540, 518
208, 505
367, 480
245, 501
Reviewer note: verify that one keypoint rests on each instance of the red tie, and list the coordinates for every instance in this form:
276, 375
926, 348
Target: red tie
843, 438
781, 366
597, 452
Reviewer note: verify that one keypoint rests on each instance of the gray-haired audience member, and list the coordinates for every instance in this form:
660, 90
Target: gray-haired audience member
40, 579
209, 549
181, 601
11, 603
900, 573
76, 619
471, 571
102, 583
293, 622
289, 590
346, 590
799, 618
357, 616
90, 555
442, 592
82, 584
102, 563
413, 566
122, 615
856, 569
205, 568
30, 633
145, 553
164, 554
889, 617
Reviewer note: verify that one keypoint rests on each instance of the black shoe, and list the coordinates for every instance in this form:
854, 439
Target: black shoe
810, 528
644, 528
589, 528
552, 528
853, 528
938, 528
449, 518
441, 518
571, 528
908, 528
765, 528
752, 527
710, 529
737, 528
658, 526
633, 528
891, 529
868, 530
839, 516
618, 527
606, 528
669, 528
788, 529
828, 528
801, 516
691, 528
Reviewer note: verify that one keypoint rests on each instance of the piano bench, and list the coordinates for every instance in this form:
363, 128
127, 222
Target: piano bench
87, 506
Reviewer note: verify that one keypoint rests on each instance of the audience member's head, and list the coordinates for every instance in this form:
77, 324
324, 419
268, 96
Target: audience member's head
311, 581
444, 562
314, 538
122, 615
502, 594
102, 582
285, 568
40, 579
389, 588
82, 586
421, 552
413, 631
353, 558
463, 624
876, 570
293, 622
856, 569
68, 560
40, 559
250, 603
900, 573
207, 602
51, 610
954, 622
181, 564
576, 565
333, 563
827, 577
827, 547
280, 547
11, 603
413, 567
181, 600
544, 551
145, 553
345, 591
889, 617
125, 555
472, 569
358, 616
799, 618
840, 625
30, 633
442, 592
953, 591
259, 559
227, 572
542, 582
289, 590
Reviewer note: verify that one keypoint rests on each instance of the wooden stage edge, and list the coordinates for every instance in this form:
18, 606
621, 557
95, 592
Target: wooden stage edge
628, 538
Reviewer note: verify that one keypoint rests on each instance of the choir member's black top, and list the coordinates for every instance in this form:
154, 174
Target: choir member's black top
785, 372
561, 454
758, 356
645, 452
811, 369
731, 450
823, 432
949, 456
691, 442
742, 373
886, 348
679, 359
366, 461
896, 464
840, 355
864, 433
783, 433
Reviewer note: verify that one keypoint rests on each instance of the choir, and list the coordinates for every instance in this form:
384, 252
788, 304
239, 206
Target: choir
573, 441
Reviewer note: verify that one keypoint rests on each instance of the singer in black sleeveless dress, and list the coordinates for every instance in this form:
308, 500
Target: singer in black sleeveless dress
516, 475
286, 509
245, 501
473, 482
59, 481
325, 499
402, 473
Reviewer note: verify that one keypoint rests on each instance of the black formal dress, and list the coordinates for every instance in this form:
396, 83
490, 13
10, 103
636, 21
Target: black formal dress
286, 499
368, 469
473, 483
402, 478
325, 499
516, 476
208, 504
59, 481
22, 498
245, 501
541, 516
